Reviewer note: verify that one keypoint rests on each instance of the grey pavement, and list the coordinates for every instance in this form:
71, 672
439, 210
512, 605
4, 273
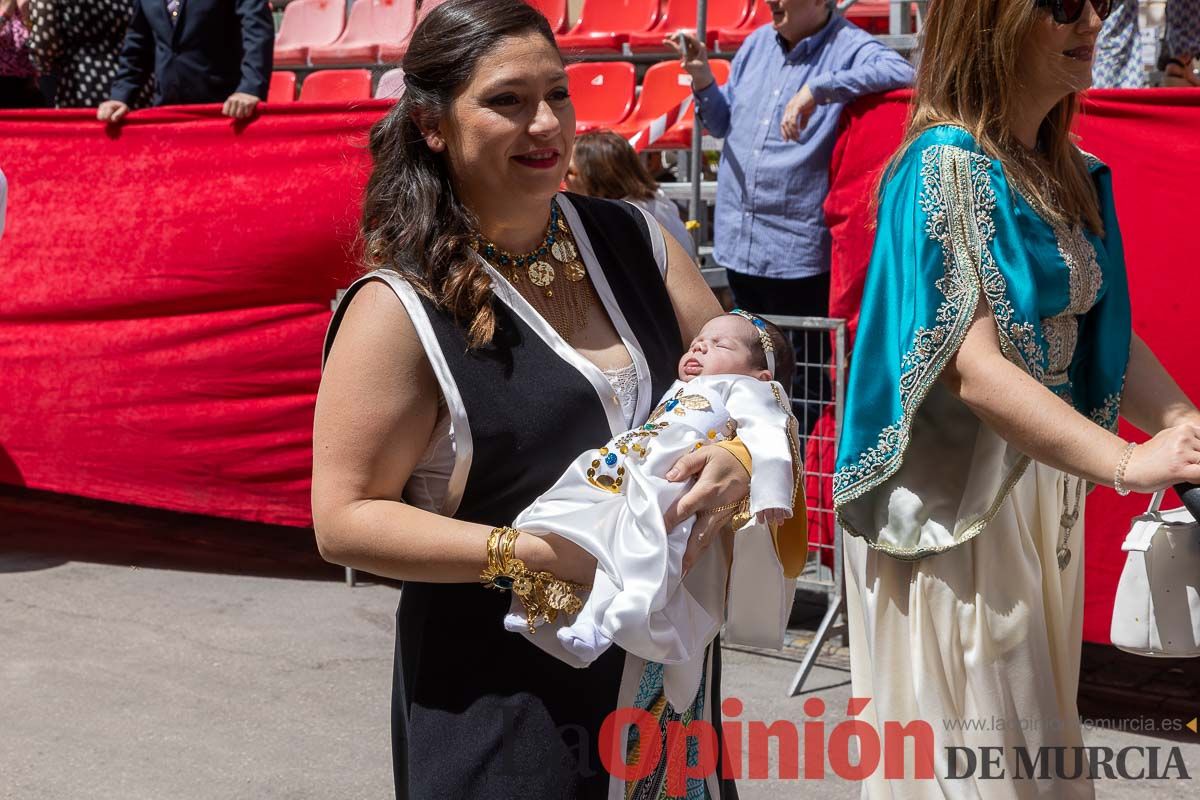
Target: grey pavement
152, 656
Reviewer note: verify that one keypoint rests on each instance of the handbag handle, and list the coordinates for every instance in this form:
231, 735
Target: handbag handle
1189, 493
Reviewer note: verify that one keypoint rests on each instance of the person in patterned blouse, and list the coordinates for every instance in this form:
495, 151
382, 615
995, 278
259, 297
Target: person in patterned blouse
18, 78
78, 41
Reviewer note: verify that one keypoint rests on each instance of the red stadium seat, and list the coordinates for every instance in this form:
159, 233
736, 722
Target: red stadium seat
334, 85
283, 88
426, 7
681, 16
731, 38
680, 134
870, 15
306, 24
391, 85
605, 25
555, 12
373, 24
664, 87
603, 93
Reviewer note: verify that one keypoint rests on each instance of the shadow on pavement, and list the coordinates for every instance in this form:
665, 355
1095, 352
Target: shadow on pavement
41, 530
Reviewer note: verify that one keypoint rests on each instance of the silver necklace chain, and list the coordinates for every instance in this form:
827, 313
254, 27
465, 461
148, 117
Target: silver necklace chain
1070, 516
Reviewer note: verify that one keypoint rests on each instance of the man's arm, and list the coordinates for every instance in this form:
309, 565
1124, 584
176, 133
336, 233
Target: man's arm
137, 58
712, 101
873, 68
258, 43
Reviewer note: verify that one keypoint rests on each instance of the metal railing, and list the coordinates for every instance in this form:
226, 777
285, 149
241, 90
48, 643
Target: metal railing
818, 401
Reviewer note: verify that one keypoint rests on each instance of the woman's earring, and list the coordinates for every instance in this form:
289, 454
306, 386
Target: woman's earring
435, 142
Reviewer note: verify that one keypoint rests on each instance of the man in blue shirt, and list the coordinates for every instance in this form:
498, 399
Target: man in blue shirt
778, 115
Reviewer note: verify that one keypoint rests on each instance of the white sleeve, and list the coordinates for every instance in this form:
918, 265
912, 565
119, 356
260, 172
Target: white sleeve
768, 429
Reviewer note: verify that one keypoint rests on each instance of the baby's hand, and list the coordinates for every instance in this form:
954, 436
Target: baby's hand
772, 516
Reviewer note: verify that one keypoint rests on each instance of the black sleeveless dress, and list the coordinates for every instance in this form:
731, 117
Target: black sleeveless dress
478, 712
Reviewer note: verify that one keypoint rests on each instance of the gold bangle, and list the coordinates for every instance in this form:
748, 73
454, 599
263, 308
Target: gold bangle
542, 594
727, 507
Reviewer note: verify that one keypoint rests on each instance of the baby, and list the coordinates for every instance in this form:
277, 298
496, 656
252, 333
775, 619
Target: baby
611, 501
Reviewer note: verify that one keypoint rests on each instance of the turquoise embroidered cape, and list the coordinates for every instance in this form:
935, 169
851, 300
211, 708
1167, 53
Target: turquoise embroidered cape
918, 473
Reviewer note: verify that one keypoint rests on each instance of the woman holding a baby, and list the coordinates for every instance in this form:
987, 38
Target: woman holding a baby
505, 330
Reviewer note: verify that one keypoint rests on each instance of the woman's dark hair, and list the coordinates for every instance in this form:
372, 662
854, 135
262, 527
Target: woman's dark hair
412, 220
608, 166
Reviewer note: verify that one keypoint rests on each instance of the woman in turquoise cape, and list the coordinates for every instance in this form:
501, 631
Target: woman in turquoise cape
994, 356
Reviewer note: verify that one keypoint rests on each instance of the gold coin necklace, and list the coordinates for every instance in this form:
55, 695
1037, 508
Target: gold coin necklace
566, 309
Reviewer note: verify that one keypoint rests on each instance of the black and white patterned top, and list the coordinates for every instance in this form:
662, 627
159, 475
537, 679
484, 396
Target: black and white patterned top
79, 41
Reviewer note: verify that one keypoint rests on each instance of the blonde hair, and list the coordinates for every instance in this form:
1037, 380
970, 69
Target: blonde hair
967, 76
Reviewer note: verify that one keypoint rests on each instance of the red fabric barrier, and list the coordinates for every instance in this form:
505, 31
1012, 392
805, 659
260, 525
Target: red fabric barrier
166, 287
1147, 137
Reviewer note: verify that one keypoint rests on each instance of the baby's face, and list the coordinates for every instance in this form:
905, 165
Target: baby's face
726, 345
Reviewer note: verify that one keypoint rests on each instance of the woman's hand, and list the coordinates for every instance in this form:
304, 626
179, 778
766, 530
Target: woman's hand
721, 480
1171, 457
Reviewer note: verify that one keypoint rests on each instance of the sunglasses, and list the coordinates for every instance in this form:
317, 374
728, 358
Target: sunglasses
1068, 12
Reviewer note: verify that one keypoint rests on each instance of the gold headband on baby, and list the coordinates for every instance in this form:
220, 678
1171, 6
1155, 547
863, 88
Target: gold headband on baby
764, 337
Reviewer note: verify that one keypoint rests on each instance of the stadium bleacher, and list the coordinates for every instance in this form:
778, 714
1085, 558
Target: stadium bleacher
664, 87
373, 26
283, 87
603, 93
391, 85
605, 26
610, 44
731, 37
555, 12
336, 85
681, 16
307, 24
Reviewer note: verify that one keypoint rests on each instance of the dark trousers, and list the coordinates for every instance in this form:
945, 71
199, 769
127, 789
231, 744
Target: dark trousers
796, 297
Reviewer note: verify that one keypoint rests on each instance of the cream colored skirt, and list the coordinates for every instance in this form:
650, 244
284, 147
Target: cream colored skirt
983, 643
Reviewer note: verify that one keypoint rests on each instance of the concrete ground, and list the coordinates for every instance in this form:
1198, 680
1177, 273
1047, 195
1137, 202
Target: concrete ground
147, 655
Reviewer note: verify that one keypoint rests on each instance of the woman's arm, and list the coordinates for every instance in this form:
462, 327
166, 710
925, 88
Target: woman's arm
694, 303
376, 410
1035, 421
1153, 400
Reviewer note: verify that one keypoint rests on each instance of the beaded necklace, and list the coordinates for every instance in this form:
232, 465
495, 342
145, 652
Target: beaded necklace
557, 242
565, 310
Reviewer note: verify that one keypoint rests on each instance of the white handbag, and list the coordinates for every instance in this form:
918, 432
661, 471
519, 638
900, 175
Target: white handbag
1157, 609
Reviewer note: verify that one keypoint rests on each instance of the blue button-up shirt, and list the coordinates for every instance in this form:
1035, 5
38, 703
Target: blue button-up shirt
770, 192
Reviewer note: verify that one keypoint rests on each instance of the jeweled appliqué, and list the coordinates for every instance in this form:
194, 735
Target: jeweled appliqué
1061, 331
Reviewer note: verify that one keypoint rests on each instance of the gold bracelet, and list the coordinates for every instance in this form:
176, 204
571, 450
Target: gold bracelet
727, 507
542, 594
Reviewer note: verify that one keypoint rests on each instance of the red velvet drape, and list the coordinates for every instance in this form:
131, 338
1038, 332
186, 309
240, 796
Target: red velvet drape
166, 287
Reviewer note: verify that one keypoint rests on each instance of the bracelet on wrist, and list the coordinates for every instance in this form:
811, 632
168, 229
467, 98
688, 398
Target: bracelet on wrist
542, 593
1122, 465
727, 507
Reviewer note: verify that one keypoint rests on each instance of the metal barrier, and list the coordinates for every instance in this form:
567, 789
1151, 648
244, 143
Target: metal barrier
818, 387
